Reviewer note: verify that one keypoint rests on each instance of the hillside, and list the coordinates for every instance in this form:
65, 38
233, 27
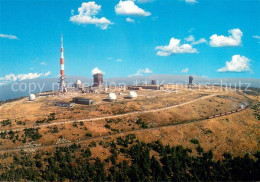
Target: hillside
173, 117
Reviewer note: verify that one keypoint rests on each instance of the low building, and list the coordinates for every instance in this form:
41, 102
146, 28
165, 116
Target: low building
152, 87
153, 82
81, 100
64, 104
134, 88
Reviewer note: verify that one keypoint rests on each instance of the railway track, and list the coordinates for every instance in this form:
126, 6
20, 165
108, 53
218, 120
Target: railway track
108, 135
111, 117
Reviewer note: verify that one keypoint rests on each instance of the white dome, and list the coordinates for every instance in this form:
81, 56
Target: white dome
78, 82
132, 94
32, 97
111, 96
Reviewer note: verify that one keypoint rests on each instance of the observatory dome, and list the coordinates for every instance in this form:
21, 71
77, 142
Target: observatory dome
78, 82
32, 97
111, 96
132, 94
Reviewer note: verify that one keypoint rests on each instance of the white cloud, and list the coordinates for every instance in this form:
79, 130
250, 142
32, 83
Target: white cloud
119, 60
130, 20
96, 70
43, 63
191, 39
8, 36
232, 40
175, 47
237, 64
87, 15
28, 76
200, 41
128, 7
19, 77
47, 73
141, 72
256, 36
186, 70
191, 1
9, 77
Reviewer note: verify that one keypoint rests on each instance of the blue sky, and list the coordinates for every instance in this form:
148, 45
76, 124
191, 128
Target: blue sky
30, 38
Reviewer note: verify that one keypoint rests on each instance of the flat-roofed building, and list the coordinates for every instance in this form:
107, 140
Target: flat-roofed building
82, 100
64, 104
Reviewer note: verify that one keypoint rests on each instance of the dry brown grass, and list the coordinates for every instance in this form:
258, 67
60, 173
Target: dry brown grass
236, 133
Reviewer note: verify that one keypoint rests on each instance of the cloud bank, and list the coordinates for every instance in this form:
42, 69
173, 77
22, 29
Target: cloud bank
19, 77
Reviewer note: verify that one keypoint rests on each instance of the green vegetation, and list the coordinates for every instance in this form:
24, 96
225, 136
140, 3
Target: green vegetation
256, 109
142, 162
75, 124
6, 122
141, 123
51, 117
194, 141
32, 133
88, 135
107, 126
54, 129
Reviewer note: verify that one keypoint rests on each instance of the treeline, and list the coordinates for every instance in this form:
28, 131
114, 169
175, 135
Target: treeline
142, 162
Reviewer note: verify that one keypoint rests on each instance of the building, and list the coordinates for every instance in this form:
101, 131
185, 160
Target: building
153, 82
134, 88
190, 80
64, 104
78, 84
98, 79
81, 100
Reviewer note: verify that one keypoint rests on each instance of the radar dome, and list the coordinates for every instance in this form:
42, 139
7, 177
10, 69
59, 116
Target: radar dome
78, 82
32, 97
132, 94
111, 96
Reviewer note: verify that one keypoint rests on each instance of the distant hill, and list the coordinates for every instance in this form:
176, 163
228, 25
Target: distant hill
12, 91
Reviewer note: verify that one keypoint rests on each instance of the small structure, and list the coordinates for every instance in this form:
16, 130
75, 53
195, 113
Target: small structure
152, 87
134, 88
153, 82
64, 104
190, 80
81, 100
132, 94
32, 97
78, 84
111, 97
